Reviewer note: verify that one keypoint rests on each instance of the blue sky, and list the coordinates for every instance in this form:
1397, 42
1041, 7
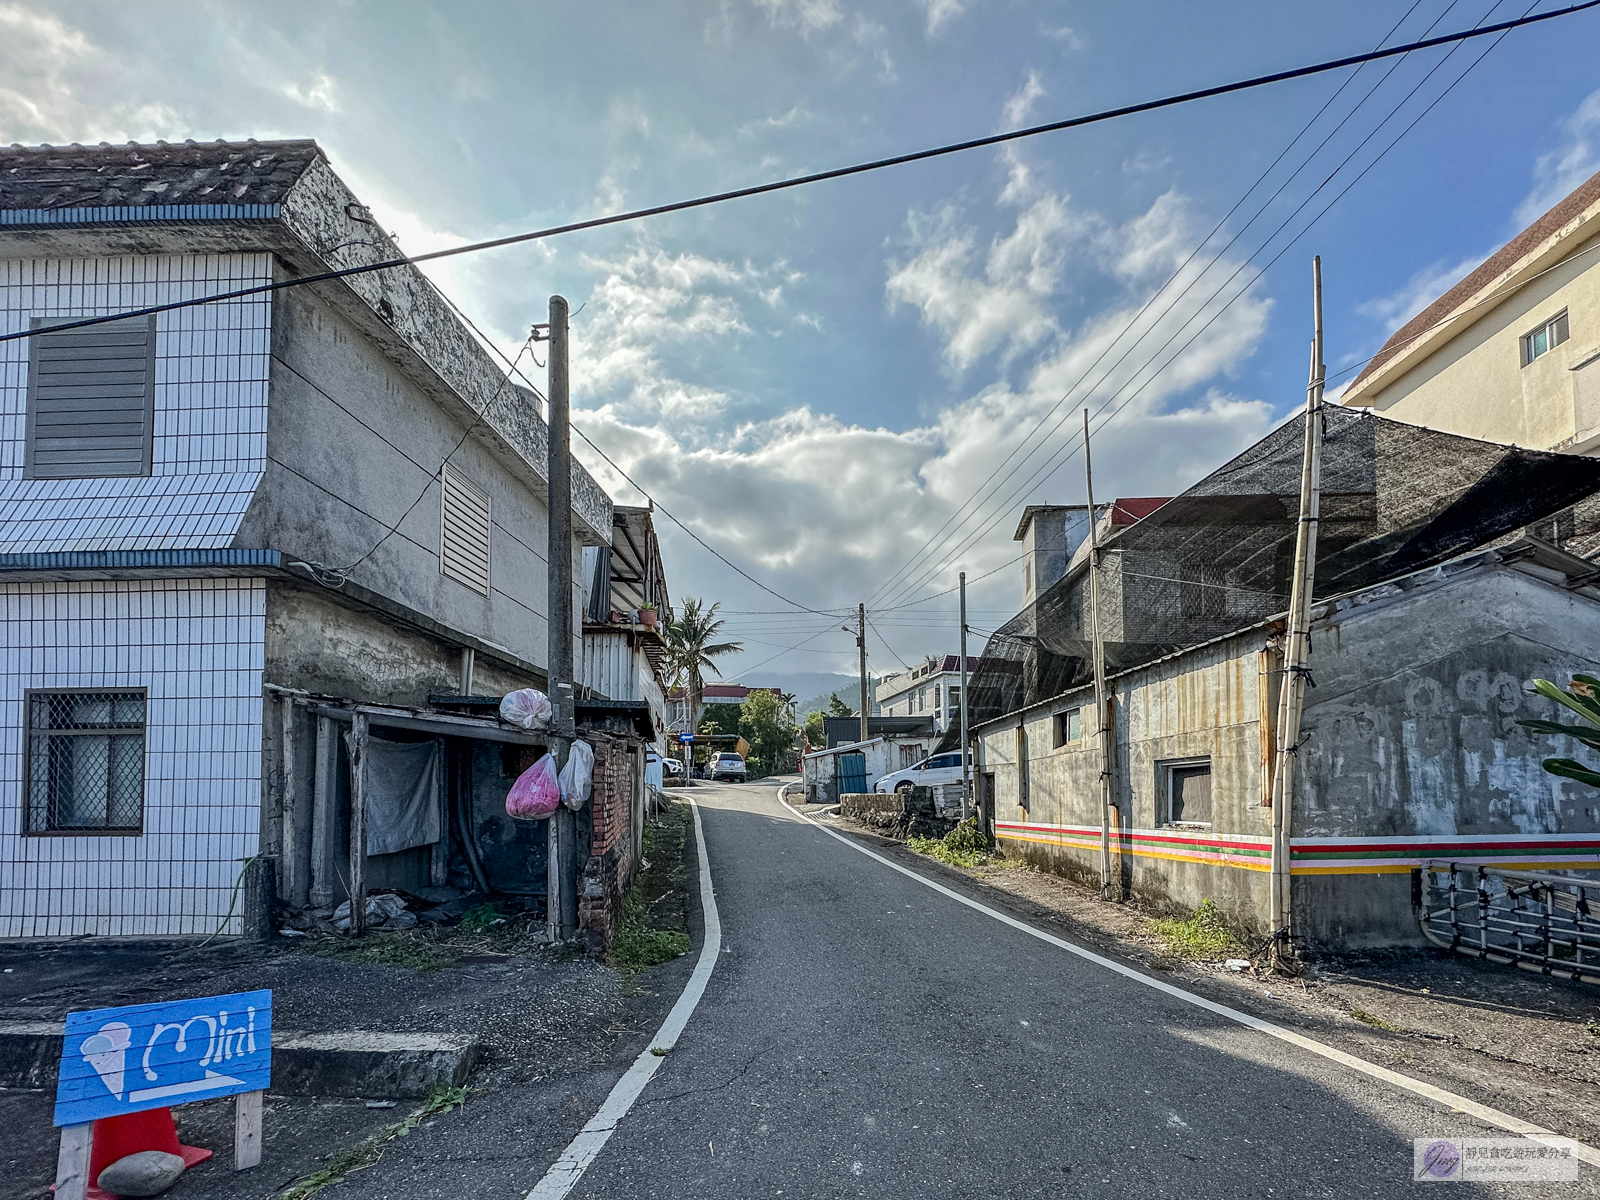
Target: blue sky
818, 381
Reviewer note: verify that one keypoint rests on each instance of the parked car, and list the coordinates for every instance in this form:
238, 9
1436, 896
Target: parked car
673, 767
727, 767
930, 772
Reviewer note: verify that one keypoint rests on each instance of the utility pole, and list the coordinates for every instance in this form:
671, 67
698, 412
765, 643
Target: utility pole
561, 839
1297, 637
861, 645
1102, 703
966, 765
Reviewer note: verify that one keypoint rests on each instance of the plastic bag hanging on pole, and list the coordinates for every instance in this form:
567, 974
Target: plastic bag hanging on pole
576, 776
526, 708
536, 793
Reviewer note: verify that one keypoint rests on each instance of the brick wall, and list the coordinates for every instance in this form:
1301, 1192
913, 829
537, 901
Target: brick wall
610, 865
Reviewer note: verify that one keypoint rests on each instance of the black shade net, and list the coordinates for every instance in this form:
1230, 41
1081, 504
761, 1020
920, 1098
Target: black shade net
1219, 557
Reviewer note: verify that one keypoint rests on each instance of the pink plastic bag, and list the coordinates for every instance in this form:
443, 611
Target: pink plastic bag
536, 793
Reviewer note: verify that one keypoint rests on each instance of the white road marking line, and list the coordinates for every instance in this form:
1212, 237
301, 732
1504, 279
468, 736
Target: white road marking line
1439, 1095
564, 1174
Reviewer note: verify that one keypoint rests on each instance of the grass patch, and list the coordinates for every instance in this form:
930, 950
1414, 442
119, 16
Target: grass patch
406, 948
1376, 1022
441, 1099
963, 846
652, 929
1204, 934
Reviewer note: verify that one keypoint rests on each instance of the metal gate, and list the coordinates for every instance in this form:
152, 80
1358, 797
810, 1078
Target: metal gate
852, 774
1544, 923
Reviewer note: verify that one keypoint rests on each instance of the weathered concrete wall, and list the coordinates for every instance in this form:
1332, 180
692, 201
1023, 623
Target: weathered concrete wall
316, 644
1410, 751
1413, 734
353, 442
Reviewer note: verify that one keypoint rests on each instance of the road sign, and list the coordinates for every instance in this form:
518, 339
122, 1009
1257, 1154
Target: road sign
125, 1060
686, 737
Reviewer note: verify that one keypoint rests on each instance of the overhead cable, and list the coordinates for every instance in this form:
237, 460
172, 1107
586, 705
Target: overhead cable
837, 172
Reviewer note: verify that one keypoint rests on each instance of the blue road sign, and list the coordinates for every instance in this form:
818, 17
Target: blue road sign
686, 737
125, 1060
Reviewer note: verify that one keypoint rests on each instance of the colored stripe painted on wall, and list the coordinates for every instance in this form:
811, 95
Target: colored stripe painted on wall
1323, 856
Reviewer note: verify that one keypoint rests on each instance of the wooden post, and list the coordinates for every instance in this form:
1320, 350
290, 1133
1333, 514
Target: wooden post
291, 868
1102, 702
324, 817
439, 852
966, 749
246, 1130
358, 825
1297, 637
72, 1161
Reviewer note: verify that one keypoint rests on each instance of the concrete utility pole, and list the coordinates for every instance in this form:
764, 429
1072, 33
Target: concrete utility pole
861, 646
1102, 703
966, 764
1297, 636
562, 898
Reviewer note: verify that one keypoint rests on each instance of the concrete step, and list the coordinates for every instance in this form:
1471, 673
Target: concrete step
347, 1062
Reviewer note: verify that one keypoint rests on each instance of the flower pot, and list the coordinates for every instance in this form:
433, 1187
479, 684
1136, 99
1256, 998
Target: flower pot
647, 617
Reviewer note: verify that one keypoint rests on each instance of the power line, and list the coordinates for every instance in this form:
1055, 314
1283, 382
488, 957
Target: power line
836, 173
1074, 439
1054, 463
1157, 294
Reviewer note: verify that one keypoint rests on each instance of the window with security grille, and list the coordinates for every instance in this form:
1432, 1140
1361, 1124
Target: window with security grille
463, 531
91, 400
85, 761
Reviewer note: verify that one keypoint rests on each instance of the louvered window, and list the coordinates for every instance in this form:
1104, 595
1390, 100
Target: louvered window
91, 400
464, 531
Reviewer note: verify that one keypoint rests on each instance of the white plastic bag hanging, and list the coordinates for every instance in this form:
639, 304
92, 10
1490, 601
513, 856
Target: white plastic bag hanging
576, 776
527, 708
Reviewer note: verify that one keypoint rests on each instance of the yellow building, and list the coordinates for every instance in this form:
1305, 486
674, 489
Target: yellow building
1512, 352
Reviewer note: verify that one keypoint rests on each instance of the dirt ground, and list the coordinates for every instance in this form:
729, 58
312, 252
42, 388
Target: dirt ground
1508, 1038
549, 1017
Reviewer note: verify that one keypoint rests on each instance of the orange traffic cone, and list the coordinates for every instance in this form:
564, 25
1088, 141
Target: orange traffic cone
118, 1137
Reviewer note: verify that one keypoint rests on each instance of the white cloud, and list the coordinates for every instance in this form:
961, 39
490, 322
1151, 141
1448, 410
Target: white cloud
809, 16
1064, 33
1020, 104
784, 496
1568, 165
1421, 290
940, 11
317, 93
1002, 301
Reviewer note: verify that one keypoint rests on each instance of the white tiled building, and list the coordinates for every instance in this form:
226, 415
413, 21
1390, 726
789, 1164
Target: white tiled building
222, 527
930, 689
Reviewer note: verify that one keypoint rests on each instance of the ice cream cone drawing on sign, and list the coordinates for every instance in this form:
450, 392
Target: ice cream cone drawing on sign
106, 1052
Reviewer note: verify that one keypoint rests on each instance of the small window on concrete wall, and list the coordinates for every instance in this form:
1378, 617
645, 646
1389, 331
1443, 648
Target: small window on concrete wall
463, 531
1545, 338
1069, 726
1187, 788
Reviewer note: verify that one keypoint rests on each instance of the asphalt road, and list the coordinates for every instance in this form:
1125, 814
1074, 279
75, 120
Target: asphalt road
863, 1035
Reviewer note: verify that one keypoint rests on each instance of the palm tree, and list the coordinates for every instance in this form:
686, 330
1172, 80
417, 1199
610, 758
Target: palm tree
690, 651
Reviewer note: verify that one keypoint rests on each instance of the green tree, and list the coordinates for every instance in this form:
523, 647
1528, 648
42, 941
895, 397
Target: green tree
719, 718
765, 723
1583, 699
838, 708
816, 732
692, 649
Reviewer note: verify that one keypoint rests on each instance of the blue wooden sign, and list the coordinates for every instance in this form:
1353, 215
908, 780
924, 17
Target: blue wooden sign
125, 1060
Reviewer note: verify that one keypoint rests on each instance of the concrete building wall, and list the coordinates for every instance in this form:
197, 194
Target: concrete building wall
315, 643
342, 474
1472, 380
196, 645
1410, 752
